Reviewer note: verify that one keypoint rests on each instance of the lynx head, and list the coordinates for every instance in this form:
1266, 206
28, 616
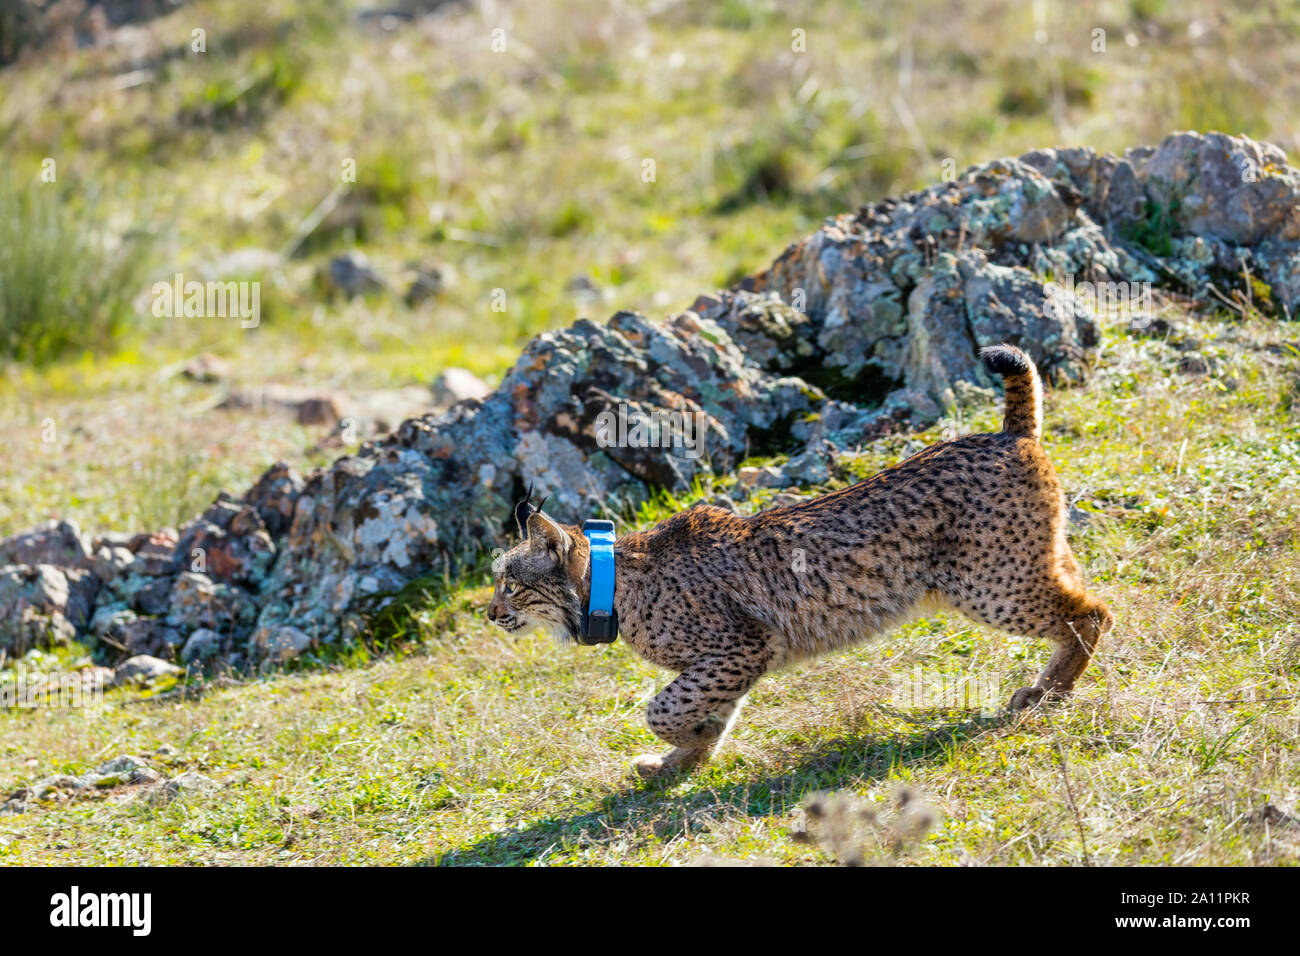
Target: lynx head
540, 582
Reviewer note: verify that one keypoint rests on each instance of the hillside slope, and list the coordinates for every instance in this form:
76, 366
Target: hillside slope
470, 747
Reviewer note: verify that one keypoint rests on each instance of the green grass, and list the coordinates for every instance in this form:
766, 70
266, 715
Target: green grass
463, 745
1155, 230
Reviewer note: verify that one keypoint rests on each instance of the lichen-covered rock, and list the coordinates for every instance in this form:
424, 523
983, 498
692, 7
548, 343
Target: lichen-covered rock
275, 495
1225, 203
57, 543
872, 323
902, 294
109, 619
229, 542
1222, 187
111, 560
140, 635
155, 554
198, 601
43, 605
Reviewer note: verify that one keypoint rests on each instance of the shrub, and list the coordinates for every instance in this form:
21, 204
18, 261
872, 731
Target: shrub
66, 282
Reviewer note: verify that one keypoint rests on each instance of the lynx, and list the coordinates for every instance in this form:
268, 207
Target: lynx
976, 524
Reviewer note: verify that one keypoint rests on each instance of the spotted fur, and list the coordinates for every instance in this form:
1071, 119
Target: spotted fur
976, 524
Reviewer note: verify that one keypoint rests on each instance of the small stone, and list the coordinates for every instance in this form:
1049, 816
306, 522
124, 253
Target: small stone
191, 780
143, 668
140, 636
583, 289
274, 496
765, 477
922, 406
114, 539
198, 601
43, 605
206, 368
812, 466
426, 284
187, 784
149, 595
281, 644
203, 644
352, 275
707, 306
456, 385
114, 773
784, 500
144, 775
56, 785
318, 410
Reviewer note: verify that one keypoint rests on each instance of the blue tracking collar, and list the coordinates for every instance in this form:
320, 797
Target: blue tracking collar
599, 619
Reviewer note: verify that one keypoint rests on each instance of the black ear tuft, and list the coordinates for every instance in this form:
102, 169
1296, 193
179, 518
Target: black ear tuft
524, 510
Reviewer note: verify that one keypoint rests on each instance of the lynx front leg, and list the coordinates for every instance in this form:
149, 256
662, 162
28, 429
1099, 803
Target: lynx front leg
1076, 631
696, 711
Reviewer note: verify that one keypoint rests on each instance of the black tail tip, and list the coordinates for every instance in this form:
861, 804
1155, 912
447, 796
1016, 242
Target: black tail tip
1004, 360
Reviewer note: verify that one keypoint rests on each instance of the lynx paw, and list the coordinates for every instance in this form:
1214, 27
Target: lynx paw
652, 765
648, 765
1025, 698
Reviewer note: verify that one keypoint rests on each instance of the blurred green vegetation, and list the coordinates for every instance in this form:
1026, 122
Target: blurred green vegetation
508, 145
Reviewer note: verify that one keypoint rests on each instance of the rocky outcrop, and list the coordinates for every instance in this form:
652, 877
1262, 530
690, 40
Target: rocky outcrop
872, 323
34, 24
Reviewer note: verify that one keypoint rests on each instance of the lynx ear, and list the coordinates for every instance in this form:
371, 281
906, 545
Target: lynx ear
545, 533
523, 509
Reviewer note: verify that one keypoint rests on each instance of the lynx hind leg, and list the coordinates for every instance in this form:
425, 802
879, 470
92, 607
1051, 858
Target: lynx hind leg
697, 711
1075, 621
